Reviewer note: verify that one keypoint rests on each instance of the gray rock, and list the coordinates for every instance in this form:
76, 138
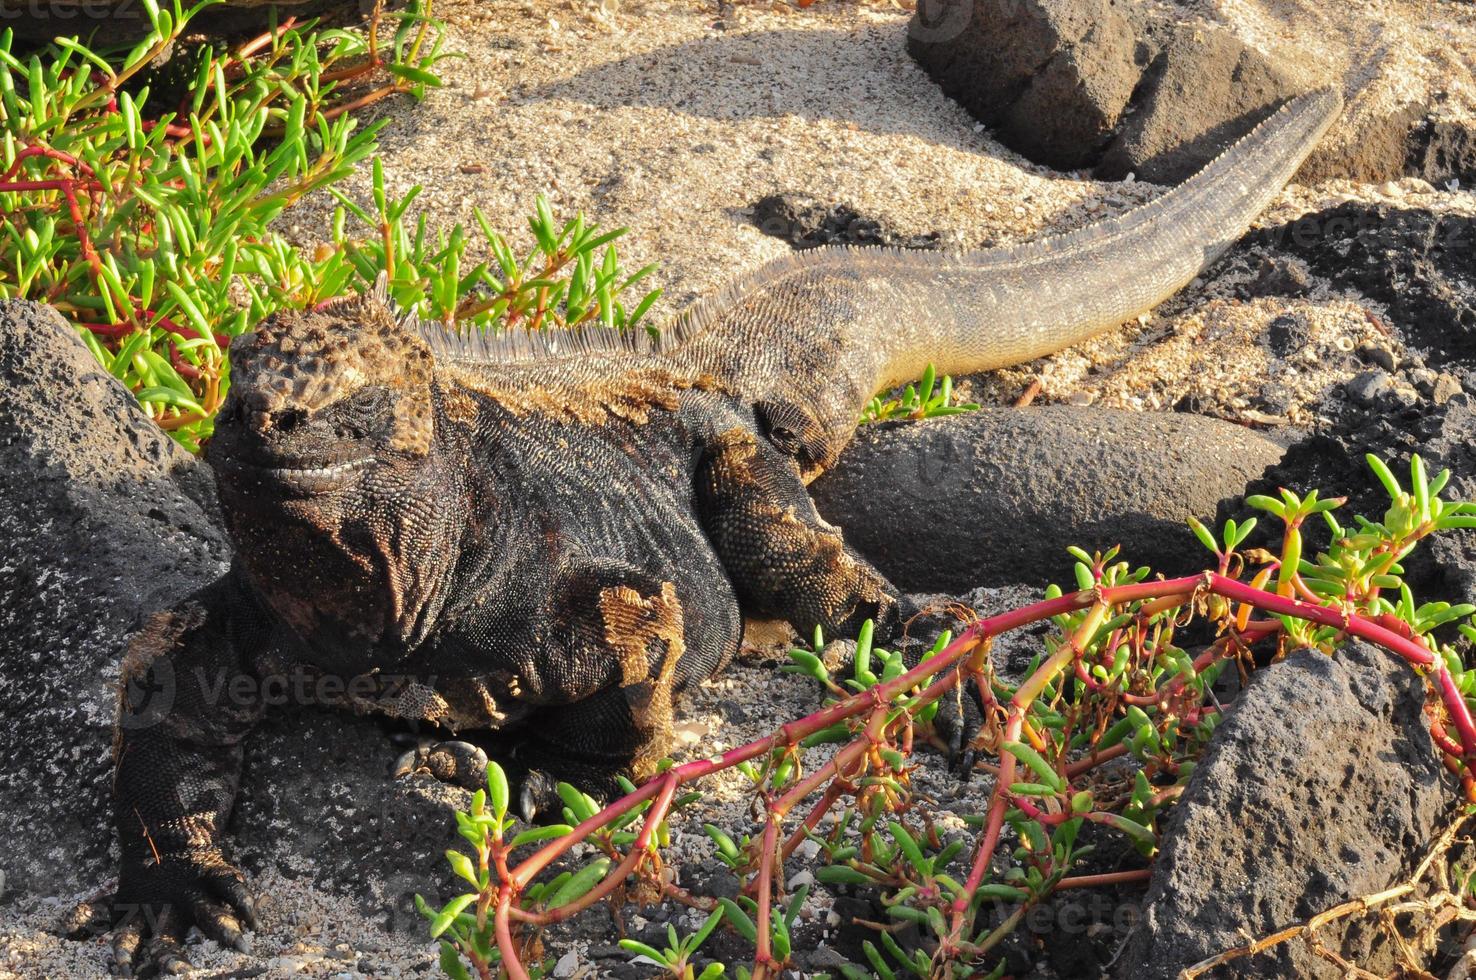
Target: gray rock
104, 517
1081, 83
1367, 387
1322, 785
995, 496
1053, 76
1204, 90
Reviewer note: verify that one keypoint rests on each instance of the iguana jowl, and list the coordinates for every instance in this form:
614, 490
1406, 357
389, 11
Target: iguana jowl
565, 531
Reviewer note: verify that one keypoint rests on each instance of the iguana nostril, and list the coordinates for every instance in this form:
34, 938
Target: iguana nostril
291, 419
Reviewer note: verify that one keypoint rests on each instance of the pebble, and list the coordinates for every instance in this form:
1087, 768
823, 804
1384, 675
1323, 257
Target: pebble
566, 965
1381, 356
802, 879
1366, 386
1424, 380
1446, 387
1278, 399
822, 957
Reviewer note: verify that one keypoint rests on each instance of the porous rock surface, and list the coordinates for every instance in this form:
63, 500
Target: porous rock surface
996, 496
1052, 76
1322, 785
1202, 90
104, 516
1138, 88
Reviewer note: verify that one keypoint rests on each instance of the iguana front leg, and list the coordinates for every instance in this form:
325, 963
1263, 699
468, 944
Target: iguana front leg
619, 645
784, 560
186, 702
787, 563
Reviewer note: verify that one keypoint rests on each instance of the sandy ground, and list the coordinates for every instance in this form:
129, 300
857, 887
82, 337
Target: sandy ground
671, 120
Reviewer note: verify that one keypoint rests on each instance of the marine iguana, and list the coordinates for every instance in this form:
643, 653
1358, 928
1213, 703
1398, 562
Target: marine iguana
564, 530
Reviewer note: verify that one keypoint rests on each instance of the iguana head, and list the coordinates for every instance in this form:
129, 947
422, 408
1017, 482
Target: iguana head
318, 398
326, 457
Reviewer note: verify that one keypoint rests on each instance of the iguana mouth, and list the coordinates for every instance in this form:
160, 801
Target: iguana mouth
315, 479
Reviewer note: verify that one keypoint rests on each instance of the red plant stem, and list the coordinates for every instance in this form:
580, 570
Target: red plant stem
1111, 878
126, 327
1158, 593
612, 880
45, 151
505, 945
257, 43
63, 184
764, 958
1096, 759
833, 793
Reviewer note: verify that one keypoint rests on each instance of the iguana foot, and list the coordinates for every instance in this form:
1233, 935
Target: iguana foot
539, 800
454, 761
157, 903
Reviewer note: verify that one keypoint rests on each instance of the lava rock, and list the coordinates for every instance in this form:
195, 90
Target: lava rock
1278, 276
1204, 90
105, 517
1417, 262
1332, 758
804, 222
1287, 334
1441, 150
1079, 83
995, 496
1052, 76
1367, 387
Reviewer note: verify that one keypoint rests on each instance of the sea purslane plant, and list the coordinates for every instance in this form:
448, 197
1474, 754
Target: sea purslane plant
1113, 682
148, 219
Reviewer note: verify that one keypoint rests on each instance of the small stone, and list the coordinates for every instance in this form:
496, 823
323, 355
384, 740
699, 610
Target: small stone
566, 965
801, 879
1278, 399
1287, 334
1446, 387
1366, 387
1381, 356
1424, 380
1079, 398
822, 957
1406, 396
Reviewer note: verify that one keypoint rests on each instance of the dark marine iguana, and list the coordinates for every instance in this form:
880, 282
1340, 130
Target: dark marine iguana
565, 530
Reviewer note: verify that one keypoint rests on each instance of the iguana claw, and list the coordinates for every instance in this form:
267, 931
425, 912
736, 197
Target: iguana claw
538, 797
156, 908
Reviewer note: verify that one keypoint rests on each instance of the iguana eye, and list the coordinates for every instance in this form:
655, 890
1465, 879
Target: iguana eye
369, 400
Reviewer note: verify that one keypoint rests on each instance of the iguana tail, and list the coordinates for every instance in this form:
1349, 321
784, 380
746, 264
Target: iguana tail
840, 324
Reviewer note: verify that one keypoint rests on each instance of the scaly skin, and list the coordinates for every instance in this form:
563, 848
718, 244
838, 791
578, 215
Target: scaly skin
477, 533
